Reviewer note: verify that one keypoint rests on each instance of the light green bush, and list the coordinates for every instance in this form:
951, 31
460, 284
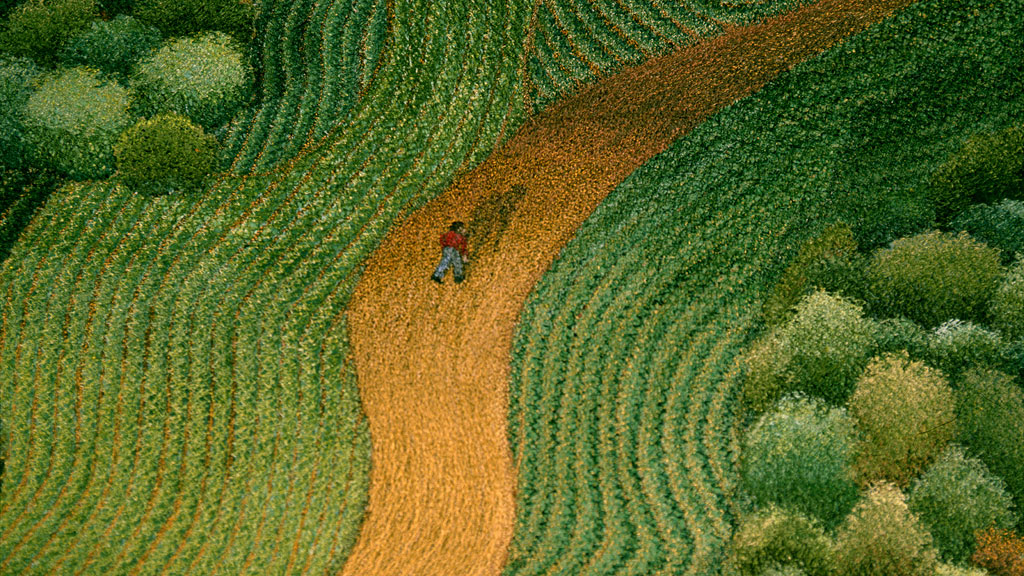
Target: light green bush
73, 120
164, 154
829, 262
800, 456
990, 416
881, 537
185, 17
112, 46
987, 168
17, 76
204, 78
905, 415
1000, 225
1007, 306
774, 540
957, 497
934, 277
956, 346
820, 351
954, 570
38, 29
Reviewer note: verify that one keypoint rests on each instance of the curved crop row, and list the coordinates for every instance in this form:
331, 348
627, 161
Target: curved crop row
178, 395
576, 42
623, 414
316, 58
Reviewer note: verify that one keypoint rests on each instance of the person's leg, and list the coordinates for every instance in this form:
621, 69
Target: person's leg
457, 270
448, 255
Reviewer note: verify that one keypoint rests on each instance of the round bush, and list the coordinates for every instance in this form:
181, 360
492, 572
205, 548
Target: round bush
112, 46
904, 412
1001, 552
185, 17
204, 78
956, 498
881, 537
38, 29
990, 415
933, 277
820, 351
1000, 225
800, 456
987, 168
17, 76
778, 540
894, 335
954, 570
1007, 306
73, 120
164, 154
956, 346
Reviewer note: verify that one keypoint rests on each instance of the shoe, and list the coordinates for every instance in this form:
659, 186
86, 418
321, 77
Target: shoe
459, 279
435, 279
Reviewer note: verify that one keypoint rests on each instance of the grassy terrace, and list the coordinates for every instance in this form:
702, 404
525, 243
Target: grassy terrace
623, 417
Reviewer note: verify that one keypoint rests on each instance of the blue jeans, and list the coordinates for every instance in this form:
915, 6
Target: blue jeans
450, 258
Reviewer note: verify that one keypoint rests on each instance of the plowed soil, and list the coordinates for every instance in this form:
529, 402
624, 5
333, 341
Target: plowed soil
433, 361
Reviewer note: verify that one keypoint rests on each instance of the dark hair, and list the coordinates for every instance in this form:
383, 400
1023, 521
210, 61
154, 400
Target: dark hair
456, 225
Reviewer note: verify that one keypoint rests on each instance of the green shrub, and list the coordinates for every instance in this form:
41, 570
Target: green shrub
894, 335
905, 415
38, 29
933, 277
185, 17
820, 351
205, 78
164, 154
1007, 306
990, 416
112, 46
17, 77
779, 540
73, 120
956, 346
829, 262
800, 456
954, 570
957, 497
1000, 225
21, 192
987, 168
881, 537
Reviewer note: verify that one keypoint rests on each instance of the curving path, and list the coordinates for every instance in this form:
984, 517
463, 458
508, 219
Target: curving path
432, 361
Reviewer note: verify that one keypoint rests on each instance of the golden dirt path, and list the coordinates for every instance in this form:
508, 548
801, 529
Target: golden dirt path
432, 361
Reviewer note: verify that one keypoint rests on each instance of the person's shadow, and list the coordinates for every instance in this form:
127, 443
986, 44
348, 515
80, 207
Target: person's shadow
490, 219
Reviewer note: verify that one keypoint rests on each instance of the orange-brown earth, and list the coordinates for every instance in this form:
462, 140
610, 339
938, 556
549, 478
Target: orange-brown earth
433, 361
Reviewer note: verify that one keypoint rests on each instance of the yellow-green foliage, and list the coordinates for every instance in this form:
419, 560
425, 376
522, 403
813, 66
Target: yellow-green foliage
956, 498
820, 351
1007, 306
933, 277
164, 154
881, 537
39, 28
829, 261
904, 412
776, 539
73, 120
988, 167
205, 78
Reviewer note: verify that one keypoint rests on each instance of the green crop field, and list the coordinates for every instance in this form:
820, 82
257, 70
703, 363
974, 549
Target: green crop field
624, 421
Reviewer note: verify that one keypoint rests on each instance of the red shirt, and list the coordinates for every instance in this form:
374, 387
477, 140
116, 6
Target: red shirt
455, 240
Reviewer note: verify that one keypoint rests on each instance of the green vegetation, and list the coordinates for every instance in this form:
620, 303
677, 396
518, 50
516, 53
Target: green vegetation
882, 537
956, 498
774, 539
164, 154
38, 29
185, 17
17, 76
1007, 306
204, 78
629, 357
987, 168
1000, 225
111, 46
956, 346
1001, 552
800, 457
933, 277
72, 121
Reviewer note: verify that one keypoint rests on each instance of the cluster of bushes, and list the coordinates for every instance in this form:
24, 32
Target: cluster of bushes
887, 416
91, 89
